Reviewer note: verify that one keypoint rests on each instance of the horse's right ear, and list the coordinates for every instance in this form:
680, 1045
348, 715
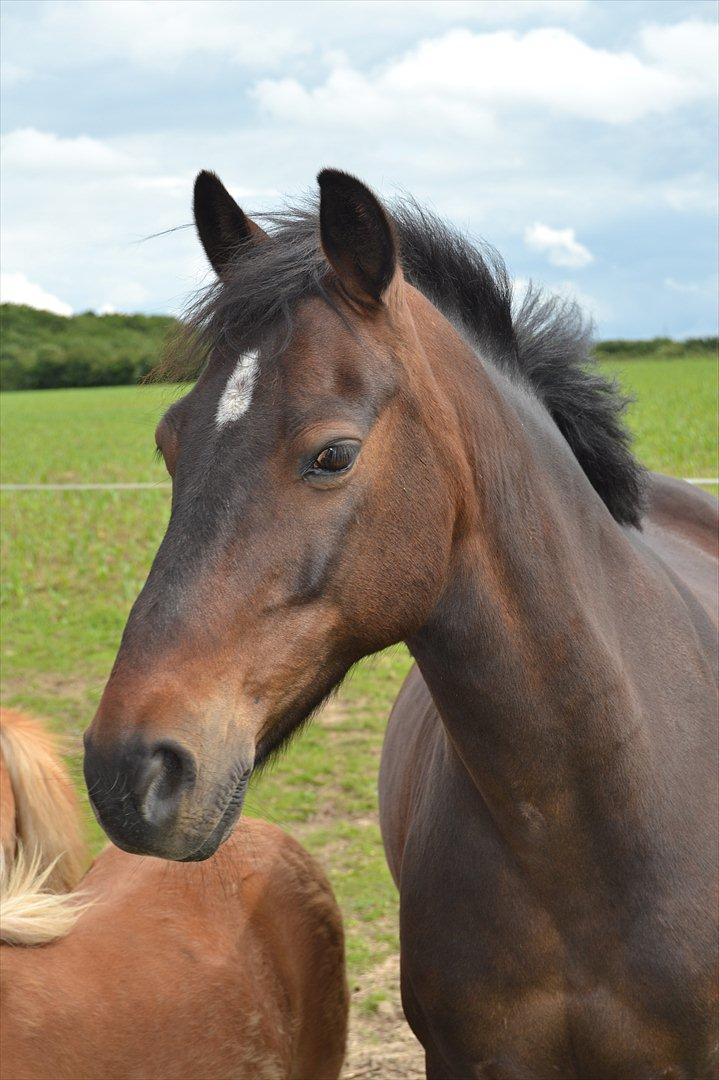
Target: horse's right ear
221, 225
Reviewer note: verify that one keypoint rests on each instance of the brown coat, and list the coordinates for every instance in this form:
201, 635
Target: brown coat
232, 968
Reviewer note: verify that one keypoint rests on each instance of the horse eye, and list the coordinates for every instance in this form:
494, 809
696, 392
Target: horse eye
335, 458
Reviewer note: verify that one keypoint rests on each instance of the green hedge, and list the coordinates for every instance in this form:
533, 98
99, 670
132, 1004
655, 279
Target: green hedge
657, 347
39, 350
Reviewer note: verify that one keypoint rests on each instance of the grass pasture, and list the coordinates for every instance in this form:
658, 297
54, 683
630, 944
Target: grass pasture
74, 561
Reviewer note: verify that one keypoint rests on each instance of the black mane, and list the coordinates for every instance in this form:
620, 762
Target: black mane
544, 340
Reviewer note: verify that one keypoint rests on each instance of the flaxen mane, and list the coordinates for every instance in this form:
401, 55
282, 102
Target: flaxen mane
542, 340
43, 854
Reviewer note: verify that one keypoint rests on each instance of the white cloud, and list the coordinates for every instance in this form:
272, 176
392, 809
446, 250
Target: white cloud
350, 98
594, 309
559, 245
164, 35
463, 77
690, 50
684, 287
159, 33
493, 127
706, 288
16, 289
597, 310
393, 15
494, 10
691, 193
12, 74
29, 150
124, 296
75, 210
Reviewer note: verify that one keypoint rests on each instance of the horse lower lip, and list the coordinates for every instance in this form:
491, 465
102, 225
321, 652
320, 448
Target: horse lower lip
210, 844
223, 827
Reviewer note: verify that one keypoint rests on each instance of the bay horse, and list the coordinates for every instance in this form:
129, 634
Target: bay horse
381, 446
230, 969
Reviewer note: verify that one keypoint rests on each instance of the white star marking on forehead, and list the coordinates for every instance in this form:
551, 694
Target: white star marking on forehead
237, 395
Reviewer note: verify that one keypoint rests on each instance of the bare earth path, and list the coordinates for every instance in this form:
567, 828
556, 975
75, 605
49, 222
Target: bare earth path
381, 1045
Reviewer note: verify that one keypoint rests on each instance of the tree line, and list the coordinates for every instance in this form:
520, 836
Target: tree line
40, 350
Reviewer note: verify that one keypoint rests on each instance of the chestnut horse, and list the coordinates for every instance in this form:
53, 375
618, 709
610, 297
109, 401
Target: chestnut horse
381, 447
233, 969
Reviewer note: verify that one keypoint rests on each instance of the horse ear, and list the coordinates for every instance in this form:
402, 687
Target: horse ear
221, 225
356, 235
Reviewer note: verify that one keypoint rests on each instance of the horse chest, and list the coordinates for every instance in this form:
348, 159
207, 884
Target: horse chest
496, 985
497, 997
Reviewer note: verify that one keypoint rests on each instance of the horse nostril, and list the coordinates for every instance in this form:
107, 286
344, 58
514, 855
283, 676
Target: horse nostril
167, 772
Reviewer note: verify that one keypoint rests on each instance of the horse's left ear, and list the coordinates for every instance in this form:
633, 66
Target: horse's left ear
356, 235
221, 225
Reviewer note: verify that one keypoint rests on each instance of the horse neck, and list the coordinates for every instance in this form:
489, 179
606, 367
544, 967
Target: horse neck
521, 654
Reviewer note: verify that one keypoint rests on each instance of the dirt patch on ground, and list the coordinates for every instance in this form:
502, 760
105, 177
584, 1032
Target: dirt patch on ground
333, 712
73, 688
381, 1045
331, 715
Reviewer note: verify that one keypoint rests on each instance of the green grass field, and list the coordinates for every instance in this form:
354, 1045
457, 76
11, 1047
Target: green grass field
73, 563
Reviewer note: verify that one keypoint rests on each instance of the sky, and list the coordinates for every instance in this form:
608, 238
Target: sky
578, 136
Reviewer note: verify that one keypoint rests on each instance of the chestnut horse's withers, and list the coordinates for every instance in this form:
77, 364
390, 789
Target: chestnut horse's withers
380, 448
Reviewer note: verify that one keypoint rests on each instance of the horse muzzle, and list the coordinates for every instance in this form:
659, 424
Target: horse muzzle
145, 796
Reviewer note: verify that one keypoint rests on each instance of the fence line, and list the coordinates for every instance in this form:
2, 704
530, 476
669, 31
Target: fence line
163, 485
151, 486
